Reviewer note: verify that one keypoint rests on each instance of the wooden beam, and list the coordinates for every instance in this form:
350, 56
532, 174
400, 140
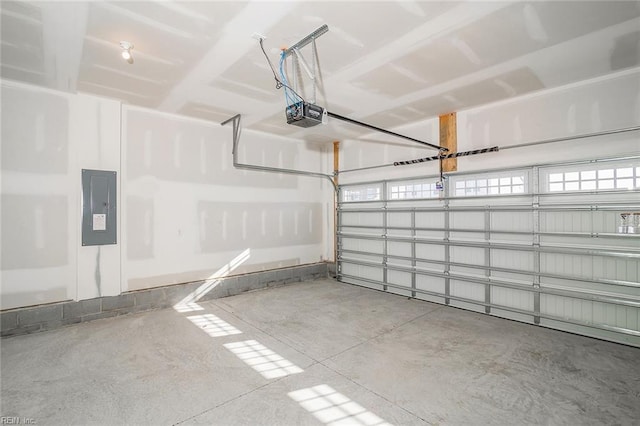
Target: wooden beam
336, 160
449, 140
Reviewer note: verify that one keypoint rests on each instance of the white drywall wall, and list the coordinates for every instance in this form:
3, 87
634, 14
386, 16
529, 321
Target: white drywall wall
47, 139
95, 142
38, 253
184, 212
605, 103
188, 212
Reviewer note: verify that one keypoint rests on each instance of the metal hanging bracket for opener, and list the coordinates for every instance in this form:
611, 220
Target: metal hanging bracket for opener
308, 39
235, 120
298, 58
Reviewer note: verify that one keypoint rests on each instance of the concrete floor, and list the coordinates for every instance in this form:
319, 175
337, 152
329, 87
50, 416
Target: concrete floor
317, 353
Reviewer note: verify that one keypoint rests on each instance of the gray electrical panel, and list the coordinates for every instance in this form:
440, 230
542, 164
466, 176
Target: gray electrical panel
98, 207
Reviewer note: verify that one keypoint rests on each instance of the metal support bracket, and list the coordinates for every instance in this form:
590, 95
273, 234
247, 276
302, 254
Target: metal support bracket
235, 120
487, 258
413, 253
447, 247
306, 40
295, 52
536, 244
312, 75
304, 64
385, 243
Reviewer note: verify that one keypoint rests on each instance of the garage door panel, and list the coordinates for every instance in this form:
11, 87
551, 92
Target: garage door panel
362, 245
525, 279
512, 298
399, 249
529, 319
430, 252
430, 235
513, 259
430, 219
467, 220
399, 234
367, 272
596, 288
470, 255
468, 290
362, 219
399, 279
466, 305
477, 237
511, 221
547, 252
567, 264
467, 271
591, 267
401, 219
586, 311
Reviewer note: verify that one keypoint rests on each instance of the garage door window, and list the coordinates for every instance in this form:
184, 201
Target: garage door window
362, 193
607, 178
490, 185
413, 190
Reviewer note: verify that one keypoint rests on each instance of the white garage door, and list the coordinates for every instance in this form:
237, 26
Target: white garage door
550, 245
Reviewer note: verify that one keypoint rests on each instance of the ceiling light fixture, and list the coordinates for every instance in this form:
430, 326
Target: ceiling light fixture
126, 51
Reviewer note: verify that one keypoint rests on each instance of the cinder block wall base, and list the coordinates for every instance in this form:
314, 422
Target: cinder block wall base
47, 317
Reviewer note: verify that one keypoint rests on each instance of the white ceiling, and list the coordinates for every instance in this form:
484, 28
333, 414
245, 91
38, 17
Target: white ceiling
387, 63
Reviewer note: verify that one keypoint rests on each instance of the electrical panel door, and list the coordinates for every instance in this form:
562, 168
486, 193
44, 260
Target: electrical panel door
98, 207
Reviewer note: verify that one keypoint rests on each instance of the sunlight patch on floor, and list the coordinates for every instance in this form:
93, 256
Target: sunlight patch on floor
213, 326
262, 359
333, 408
